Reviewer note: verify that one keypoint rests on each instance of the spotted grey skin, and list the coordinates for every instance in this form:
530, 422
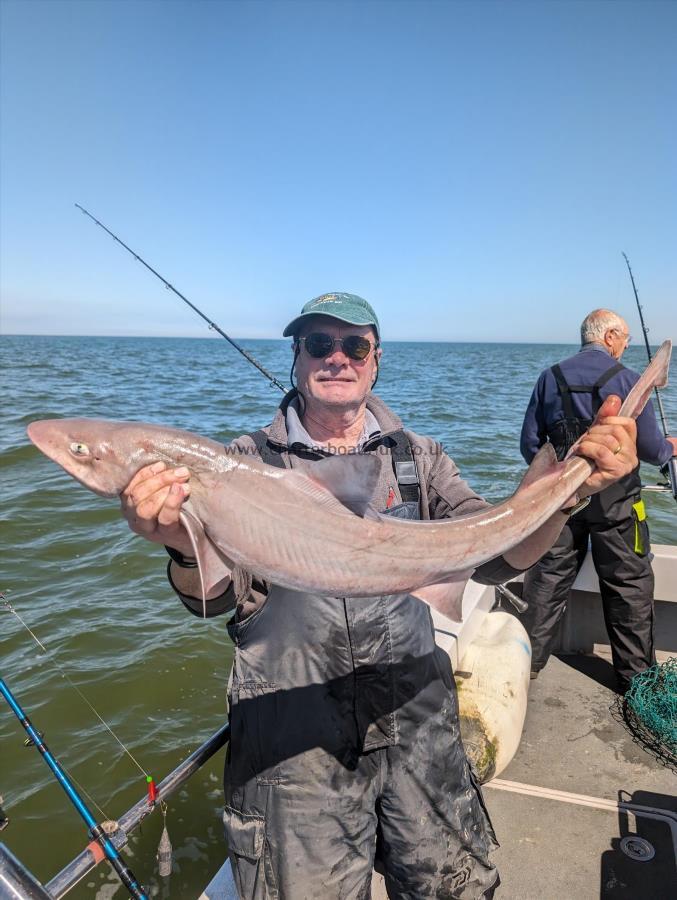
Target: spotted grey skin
298, 530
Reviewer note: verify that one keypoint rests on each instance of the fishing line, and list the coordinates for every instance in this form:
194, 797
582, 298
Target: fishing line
49, 656
86, 793
97, 832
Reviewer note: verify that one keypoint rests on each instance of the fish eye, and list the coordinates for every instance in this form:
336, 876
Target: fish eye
78, 449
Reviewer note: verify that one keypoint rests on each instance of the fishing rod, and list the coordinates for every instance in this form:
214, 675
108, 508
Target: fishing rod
96, 831
212, 325
670, 468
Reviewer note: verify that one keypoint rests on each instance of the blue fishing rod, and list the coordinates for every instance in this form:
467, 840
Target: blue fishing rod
670, 468
95, 830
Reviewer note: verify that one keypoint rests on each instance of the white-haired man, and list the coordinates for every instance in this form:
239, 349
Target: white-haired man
563, 404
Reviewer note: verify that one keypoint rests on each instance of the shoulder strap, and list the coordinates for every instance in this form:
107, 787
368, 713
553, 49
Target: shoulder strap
404, 462
567, 389
266, 451
564, 390
605, 376
404, 465
601, 381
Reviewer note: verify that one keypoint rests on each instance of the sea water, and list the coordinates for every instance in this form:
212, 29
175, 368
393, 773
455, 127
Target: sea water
97, 597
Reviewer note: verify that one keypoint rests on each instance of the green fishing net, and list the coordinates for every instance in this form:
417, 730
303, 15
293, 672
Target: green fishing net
651, 708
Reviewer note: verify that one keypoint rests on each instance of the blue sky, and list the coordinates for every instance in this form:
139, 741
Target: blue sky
473, 169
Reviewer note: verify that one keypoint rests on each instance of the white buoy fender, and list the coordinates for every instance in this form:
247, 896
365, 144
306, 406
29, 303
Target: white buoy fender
492, 679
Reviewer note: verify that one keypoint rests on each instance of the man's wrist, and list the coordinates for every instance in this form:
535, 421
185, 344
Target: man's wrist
576, 508
185, 562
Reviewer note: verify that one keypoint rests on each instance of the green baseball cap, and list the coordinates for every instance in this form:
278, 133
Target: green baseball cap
345, 307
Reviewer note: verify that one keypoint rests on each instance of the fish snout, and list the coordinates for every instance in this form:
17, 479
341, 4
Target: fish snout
34, 430
42, 432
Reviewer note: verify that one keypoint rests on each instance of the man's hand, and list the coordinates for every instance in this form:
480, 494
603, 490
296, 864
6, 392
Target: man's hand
151, 504
611, 444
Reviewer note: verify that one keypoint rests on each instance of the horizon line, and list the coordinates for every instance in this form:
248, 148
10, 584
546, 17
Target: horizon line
178, 337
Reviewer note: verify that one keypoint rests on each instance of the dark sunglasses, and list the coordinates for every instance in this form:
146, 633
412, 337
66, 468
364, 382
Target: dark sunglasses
318, 345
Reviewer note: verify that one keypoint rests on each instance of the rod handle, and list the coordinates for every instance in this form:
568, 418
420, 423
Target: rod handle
519, 604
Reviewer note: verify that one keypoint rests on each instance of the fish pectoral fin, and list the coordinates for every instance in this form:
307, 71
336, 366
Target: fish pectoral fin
446, 596
212, 565
351, 478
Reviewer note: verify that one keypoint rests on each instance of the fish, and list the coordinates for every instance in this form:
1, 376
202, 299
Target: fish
313, 529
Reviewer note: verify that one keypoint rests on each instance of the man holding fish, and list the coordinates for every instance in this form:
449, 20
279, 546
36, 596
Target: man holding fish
345, 747
345, 741
562, 405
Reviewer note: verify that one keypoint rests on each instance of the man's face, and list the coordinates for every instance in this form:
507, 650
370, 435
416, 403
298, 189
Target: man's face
336, 380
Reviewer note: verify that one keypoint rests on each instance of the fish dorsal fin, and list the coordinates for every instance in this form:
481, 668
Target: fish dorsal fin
352, 479
542, 464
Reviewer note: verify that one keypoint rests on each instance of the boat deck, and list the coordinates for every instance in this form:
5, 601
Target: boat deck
556, 841
556, 809
579, 784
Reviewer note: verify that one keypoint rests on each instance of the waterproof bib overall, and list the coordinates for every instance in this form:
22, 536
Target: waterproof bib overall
615, 526
345, 747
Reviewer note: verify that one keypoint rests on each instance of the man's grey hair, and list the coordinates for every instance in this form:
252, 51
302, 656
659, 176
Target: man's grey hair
596, 324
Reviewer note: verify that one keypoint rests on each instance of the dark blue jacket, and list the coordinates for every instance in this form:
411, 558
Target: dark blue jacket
585, 367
